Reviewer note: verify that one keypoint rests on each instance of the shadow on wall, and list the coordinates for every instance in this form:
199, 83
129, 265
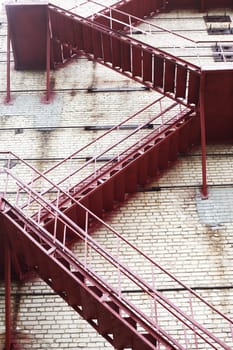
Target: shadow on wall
19, 338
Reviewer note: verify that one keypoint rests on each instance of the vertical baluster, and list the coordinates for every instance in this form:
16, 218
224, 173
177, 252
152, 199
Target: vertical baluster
17, 197
155, 313
70, 172
95, 165
55, 227
128, 22
56, 217
186, 337
110, 15
150, 31
86, 240
162, 115
64, 236
192, 315
39, 214
29, 201
118, 267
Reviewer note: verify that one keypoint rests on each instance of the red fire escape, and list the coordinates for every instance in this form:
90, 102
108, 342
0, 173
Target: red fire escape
47, 217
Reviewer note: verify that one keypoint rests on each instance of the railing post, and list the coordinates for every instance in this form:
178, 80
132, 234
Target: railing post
48, 54
8, 328
118, 268
155, 308
86, 239
204, 190
8, 68
202, 6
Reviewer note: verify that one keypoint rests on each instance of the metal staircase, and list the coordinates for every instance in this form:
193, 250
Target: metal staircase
97, 295
136, 164
143, 63
131, 162
48, 216
127, 13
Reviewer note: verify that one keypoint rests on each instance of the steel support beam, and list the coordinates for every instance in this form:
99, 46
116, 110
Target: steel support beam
8, 69
8, 326
48, 55
202, 7
204, 190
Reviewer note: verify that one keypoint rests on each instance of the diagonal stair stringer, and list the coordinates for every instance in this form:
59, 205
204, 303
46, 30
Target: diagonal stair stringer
141, 62
126, 171
104, 307
69, 35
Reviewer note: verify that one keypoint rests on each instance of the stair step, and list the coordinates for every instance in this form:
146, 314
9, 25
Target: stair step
119, 187
89, 305
137, 60
150, 338
106, 318
79, 275
108, 195
123, 336
131, 179
139, 344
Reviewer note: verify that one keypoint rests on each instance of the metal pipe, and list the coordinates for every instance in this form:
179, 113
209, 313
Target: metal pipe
8, 330
48, 50
202, 9
204, 190
8, 78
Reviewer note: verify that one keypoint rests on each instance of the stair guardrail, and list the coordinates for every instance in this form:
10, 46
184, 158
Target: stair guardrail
123, 276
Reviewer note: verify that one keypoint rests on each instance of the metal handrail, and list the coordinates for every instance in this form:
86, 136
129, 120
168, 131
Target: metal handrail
113, 159
48, 204
106, 133
128, 27
83, 234
113, 32
141, 20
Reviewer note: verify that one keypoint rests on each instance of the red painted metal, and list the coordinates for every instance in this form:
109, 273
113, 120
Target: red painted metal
198, 4
217, 97
137, 61
70, 216
193, 87
48, 59
73, 34
28, 28
181, 82
57, 53
116, 53
147, 66
86, 299
204, 190
121, 165
202, 6
8, 69
169, 77
126, 56
124, 52
126, 12
158, 71
88, 293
